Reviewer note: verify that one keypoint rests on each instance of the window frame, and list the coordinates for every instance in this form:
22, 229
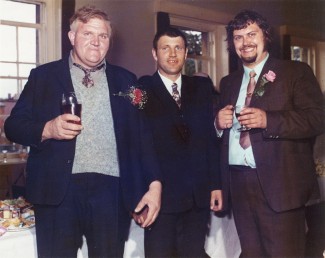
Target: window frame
217, 54
49, 29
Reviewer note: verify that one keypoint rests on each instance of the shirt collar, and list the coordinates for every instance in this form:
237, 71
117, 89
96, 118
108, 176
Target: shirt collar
257, 69
168, 82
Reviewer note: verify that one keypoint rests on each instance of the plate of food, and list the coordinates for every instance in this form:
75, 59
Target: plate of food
16, 214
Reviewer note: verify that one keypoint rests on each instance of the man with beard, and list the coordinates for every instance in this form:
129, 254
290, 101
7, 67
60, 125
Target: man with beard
268, 169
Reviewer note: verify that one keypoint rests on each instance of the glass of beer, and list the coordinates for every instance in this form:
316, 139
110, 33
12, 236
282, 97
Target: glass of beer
70, 105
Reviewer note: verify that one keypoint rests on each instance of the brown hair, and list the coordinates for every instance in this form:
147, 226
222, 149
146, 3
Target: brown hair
85, 13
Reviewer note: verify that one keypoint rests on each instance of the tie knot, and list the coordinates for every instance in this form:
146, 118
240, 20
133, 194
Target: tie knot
252, 74
174, 86
87, 80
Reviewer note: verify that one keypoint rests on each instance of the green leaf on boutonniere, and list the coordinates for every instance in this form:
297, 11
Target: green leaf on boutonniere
267, 77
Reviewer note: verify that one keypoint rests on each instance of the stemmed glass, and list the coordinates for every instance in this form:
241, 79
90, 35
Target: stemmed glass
4, 152
23, 153
238, 109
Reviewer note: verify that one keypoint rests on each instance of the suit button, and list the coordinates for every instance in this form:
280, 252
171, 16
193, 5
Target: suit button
69, 161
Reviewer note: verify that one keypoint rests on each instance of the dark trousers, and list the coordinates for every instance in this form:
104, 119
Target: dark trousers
178, 234
91, 207
262, 231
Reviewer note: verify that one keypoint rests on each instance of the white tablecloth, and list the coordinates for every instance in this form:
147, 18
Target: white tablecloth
222, 241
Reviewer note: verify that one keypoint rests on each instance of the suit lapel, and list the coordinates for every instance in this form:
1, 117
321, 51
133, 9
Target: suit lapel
170, 105
269, 65
64, 76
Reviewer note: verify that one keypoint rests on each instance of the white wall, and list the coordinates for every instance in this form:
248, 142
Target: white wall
134, 28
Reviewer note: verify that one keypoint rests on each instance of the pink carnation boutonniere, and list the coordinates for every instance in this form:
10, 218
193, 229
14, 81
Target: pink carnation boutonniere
137, 96
267, 77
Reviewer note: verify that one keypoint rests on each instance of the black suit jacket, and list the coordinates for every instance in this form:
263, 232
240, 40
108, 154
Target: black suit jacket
185, 141
50, 162
284, 150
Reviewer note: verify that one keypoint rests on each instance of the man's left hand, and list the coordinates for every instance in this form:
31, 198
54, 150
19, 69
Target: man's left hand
148, 208
253, 118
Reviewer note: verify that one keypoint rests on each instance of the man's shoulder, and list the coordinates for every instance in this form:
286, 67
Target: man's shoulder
119, 70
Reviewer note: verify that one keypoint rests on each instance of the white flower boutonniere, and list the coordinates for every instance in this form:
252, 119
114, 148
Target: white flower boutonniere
268, 77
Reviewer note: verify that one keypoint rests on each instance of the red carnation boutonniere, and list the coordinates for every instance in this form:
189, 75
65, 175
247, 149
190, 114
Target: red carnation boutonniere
267, 77
137, 97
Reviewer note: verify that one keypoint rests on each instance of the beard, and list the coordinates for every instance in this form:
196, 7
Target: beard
249, 60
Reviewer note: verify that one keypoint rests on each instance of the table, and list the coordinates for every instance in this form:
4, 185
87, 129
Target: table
222, 241
11, 173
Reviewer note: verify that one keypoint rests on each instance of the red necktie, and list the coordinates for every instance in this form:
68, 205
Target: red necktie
175, 94
244, 140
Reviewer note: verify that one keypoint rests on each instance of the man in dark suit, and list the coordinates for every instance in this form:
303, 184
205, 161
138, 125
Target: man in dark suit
181, 119
79, 176
270, 168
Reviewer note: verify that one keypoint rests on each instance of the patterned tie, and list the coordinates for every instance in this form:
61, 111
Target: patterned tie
176, 95
87, 80
244, 140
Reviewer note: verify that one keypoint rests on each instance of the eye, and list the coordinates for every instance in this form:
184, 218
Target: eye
87, 34
104, 36
252, 34
178, 48
237, 38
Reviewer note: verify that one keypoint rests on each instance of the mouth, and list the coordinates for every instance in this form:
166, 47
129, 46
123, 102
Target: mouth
247, 49
172, 61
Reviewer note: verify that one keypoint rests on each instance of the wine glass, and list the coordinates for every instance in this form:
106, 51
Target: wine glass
23, 153
4, 156
70, 105
238, 109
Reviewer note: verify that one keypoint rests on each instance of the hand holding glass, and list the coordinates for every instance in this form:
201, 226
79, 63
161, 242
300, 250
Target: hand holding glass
238, 109
70, 105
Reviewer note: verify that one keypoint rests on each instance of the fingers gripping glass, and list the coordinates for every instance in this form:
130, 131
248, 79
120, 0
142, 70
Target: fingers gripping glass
238, 109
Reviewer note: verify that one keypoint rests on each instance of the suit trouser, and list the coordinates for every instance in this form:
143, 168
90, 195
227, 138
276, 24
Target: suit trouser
262, 231
92, 208
180, 234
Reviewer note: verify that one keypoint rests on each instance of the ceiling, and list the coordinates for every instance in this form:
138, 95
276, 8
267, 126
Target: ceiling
305, 14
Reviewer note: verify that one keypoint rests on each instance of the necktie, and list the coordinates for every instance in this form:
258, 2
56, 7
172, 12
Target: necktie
87, 80
244, 140
176, 95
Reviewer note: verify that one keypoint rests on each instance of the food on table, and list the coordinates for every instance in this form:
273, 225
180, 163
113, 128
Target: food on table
16, 214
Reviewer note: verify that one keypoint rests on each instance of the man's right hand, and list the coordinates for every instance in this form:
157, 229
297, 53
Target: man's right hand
224, 118
62, 128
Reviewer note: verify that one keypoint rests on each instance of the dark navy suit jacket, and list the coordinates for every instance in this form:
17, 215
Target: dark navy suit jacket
185, 141
50, 162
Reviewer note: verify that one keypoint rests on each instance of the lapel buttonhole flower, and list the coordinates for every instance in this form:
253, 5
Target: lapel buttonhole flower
137, 96
267, 77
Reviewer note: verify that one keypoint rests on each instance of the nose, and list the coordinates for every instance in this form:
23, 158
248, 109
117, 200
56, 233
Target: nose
95, 41
172, 52
246, 40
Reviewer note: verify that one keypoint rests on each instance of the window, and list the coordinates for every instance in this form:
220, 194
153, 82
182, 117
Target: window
23, 45
198, 58
207, 47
